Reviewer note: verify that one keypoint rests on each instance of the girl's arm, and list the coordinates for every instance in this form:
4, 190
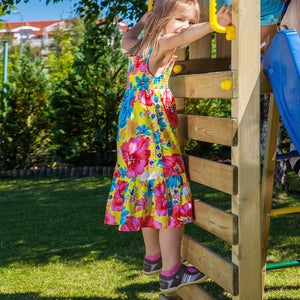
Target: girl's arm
131, 36
194, 32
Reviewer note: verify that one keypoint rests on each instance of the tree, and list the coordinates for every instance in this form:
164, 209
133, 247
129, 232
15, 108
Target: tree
4, 10
23, 112
85, 103
90, 9
62, 52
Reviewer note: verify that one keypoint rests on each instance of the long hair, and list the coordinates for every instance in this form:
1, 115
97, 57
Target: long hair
159, 17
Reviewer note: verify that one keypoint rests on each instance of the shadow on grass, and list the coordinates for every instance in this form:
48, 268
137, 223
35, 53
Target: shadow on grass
62, 218
36, 296
42, 220
291, 288
46, 219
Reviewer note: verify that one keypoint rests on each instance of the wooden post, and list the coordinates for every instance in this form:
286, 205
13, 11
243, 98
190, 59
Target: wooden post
268, 178
202, 47
180, 102
223, 46
246, 155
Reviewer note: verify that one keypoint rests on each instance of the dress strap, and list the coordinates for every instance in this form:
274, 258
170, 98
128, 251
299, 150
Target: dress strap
150, 51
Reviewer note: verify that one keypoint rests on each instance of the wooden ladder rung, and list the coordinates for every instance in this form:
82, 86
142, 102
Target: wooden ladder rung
221, 131
202, 65
207, 85
216, 221
213, 174
194, 292
224, 273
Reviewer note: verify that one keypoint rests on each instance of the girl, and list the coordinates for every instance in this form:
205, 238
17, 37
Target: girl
150, 189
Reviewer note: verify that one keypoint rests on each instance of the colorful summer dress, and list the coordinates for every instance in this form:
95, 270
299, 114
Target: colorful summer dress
150, 187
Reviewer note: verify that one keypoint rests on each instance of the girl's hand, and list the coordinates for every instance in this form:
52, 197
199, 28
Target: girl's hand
224, 15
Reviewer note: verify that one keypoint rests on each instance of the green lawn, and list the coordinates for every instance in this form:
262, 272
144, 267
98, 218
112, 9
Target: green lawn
54, 245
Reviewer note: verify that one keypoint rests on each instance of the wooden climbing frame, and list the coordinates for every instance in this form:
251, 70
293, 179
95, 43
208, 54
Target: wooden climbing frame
204, 77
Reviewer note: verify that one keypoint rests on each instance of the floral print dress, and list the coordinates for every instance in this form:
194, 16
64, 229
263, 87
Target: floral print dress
150, 187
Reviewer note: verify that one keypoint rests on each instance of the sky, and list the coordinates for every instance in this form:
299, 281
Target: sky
36, 10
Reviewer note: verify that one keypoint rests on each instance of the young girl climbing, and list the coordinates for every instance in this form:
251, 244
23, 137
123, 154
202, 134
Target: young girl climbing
150, 189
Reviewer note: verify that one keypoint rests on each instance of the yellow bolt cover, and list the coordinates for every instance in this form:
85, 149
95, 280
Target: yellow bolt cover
230, 35
177, 69
226, 85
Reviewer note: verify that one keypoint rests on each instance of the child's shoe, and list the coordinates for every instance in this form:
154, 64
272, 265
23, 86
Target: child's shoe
151, 267
184, 276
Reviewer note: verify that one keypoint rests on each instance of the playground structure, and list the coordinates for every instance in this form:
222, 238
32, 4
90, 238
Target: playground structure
235, 73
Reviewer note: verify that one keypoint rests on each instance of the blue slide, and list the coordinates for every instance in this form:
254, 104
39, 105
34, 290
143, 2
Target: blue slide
282, 64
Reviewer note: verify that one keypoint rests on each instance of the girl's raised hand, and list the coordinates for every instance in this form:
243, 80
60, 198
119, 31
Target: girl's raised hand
224, 15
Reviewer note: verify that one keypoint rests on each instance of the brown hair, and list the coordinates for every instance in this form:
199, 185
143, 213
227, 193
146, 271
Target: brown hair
157, 20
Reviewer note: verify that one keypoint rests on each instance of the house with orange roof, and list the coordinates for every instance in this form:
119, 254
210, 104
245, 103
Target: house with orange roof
39, 33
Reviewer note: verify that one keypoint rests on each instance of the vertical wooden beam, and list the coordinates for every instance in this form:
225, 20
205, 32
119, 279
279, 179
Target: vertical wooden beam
202, 47
246, 156
180, 102
223, 46
268, 178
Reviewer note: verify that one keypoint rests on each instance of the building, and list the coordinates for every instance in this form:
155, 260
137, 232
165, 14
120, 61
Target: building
39, 33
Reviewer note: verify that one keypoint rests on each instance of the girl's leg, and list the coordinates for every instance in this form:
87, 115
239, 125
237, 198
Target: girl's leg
151, 240
170, 245
265, 30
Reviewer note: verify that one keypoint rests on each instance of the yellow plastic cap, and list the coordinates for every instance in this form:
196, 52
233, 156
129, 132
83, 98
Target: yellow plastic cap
177, 69
226, 85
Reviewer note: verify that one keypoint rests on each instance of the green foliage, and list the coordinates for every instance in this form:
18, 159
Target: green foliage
90, 9
87, 79
4, 10
60, 60
85, 103
23, 113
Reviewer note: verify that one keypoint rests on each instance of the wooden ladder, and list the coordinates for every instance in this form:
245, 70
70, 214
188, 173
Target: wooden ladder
201, 77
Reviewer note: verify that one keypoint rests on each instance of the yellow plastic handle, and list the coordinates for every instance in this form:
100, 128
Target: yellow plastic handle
150, 4
229, 30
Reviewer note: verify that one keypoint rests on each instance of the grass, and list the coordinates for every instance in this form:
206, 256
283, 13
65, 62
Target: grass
54, 245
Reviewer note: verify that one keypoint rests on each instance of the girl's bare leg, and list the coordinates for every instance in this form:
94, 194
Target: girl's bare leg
151, 240
265, 30
170, 245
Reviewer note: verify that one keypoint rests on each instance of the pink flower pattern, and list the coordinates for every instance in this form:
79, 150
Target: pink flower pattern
136, 154
161, 203
146, 97
172, 165
139, 65
118, 199
170, 107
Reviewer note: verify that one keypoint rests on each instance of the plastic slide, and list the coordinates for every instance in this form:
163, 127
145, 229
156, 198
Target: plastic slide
282, 64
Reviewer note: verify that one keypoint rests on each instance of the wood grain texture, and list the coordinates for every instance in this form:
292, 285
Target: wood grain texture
246, 156
220, 223
194, 292
207, 85
223, 272
213, 174
221, 131
268, 178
